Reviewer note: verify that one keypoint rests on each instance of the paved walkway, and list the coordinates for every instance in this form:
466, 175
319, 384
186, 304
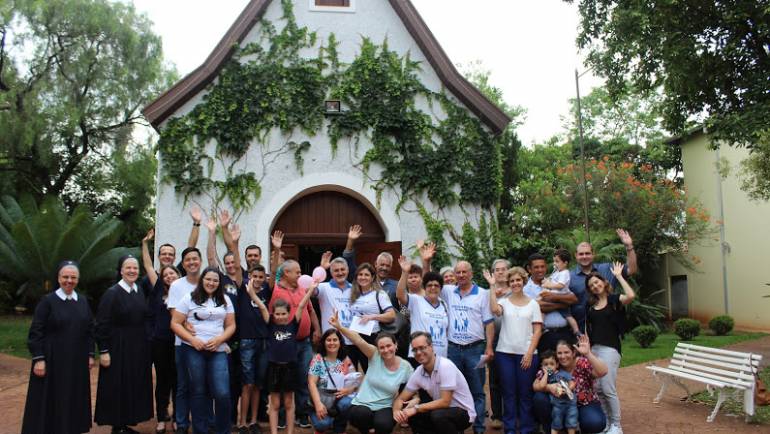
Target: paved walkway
636, 386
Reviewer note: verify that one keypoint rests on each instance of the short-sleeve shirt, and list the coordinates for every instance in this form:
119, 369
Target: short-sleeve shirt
207, 319
330, 298
318, 369
283, 342
468, 314
560, 277
367, 304
577, 284
551, 319
380, 384
176, 291
445, 376
516, 331
425, 317
583, 375
251, 325
554, 377
294, 297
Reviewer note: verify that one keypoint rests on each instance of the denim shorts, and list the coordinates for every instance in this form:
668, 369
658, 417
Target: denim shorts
254, 362
564, 414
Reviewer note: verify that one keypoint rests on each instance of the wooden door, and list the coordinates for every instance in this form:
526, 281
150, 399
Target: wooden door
367, 252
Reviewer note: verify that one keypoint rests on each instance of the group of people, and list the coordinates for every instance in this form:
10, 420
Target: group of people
382, 352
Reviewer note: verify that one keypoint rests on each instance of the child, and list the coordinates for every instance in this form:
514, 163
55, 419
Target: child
282, 372
564, 412
558, 283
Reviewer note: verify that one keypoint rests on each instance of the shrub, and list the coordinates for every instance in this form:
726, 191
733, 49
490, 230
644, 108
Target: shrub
645, 335
686, 328
722, 324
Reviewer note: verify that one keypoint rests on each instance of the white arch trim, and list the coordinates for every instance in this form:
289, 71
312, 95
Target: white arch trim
315, 182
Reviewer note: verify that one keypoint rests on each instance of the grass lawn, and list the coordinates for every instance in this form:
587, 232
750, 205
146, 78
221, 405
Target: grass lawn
732, 406
663, 347
13, 335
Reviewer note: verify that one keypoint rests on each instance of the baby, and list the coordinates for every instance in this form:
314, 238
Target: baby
558, 283
564, 414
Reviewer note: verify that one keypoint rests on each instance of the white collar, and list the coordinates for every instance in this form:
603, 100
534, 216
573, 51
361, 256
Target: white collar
63, 295
129, 288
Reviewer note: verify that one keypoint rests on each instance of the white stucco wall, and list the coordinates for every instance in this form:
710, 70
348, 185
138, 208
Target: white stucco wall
280, 180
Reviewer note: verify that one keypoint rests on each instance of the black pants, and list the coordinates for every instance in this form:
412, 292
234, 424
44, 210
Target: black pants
365, 419
551, 337
495, 392
165, 376
450, 420
234, 368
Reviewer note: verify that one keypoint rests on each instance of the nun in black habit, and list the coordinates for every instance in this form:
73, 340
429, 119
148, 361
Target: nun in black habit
124, 393
62, 346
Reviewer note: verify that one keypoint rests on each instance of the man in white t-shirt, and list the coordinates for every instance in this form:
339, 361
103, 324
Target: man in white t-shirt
451, 409
471, 333
191, 261
334, 295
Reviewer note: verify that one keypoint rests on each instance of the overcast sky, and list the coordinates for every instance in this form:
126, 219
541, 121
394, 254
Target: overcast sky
528, 45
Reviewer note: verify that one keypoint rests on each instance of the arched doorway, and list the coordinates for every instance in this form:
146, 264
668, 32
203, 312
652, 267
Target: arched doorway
317, 221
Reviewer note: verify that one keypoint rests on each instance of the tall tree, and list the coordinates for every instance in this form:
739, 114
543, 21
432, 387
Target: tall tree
73, 76
710, 58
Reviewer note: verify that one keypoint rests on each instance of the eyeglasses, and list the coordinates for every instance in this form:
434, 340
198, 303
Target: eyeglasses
421, 349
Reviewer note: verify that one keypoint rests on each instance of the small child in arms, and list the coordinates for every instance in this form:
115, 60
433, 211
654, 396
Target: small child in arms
558, 283
564, 413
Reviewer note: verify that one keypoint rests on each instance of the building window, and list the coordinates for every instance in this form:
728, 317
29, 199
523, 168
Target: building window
346, 6
337, 3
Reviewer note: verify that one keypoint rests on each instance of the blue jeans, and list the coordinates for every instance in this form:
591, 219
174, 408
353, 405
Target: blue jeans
301, 395
182, 413
564, 414
591, 417
466, 358
339, 422
254, 362
517, 391
209, 378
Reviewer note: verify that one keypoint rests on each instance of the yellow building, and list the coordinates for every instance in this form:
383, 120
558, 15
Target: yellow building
732, 275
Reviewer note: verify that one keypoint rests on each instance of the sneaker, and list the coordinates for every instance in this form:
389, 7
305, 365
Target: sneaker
243, 430
303, 422
254, 429
281, 425
615, 429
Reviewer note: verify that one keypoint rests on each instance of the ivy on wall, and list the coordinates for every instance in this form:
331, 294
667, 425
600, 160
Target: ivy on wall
448, 156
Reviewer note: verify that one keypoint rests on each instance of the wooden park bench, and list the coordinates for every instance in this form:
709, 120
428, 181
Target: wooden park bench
722, 370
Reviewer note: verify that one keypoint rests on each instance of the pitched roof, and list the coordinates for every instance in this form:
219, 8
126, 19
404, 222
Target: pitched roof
168, 102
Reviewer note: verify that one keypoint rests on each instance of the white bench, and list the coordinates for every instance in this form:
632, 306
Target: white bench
723, 370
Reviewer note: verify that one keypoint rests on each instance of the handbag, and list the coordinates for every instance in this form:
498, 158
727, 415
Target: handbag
328, 397
397, 325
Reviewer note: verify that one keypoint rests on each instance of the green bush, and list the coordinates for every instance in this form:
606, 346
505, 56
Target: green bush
722, 324
686, 328
645, 335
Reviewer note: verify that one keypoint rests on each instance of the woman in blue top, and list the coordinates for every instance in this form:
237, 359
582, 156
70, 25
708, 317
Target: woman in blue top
372, 406
162, 338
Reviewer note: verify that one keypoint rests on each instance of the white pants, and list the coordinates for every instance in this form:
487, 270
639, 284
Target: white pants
608, 394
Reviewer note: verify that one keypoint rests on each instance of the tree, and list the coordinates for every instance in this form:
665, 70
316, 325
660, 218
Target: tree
35, 239
710, 59
73, 77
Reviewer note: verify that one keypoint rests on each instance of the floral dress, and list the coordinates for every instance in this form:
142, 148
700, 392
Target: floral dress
318, 369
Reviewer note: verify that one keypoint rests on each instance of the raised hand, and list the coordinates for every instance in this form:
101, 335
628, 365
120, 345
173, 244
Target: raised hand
224, 218
150, 235
326, 259
235, 232
617, 269
354, 232
211, 225
405, 263
196, 214
427, 251
277, 239
334, 320
490, 278
584, 346
625, 238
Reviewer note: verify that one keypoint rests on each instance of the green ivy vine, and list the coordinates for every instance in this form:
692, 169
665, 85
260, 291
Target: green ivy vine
267, 85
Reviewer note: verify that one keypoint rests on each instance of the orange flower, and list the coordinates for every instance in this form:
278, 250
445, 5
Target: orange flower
691, 210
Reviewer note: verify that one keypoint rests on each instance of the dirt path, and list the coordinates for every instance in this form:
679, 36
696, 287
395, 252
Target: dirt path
635, 383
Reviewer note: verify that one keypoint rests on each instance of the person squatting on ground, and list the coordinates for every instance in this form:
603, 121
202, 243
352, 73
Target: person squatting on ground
564, 413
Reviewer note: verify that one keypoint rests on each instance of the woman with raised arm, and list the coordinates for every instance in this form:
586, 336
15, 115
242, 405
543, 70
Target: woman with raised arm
124, 393
62, 347
210, 312
162, 338
606, 325
516, 352
427, 312
371, 408
585, 368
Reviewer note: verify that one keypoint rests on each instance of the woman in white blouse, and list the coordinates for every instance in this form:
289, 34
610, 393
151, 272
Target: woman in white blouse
516, 352
212, 316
